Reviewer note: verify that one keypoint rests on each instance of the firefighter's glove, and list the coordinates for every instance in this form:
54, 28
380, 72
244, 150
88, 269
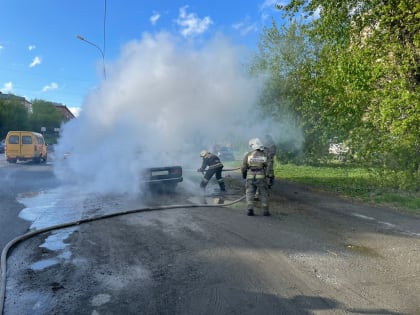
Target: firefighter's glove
244, 175
200, 170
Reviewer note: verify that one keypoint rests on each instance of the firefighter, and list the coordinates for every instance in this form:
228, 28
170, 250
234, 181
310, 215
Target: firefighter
254, 169
271, 148
215, 167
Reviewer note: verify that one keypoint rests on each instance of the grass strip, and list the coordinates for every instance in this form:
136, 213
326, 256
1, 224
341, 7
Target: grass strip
350, 181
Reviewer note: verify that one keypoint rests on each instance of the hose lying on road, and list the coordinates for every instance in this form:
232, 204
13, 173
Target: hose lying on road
231, 169
12, 243
223, 170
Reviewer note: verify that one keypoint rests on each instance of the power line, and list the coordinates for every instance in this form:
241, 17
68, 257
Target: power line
104, 30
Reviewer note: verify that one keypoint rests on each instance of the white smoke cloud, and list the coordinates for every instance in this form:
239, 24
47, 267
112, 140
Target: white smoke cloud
161, 104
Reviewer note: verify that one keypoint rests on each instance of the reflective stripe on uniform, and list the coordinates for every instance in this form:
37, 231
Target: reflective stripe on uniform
255, 176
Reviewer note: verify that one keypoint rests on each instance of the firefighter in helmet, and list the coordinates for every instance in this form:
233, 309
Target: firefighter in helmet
254, 169
271, 149
215, 167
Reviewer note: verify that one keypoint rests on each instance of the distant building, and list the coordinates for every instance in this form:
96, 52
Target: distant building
66, 114
21, 99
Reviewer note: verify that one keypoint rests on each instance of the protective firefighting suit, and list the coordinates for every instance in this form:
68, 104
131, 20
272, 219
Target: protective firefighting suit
270, 148
215, 167
254, 170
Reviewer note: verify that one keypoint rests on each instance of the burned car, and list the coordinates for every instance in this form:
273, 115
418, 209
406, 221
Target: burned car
163, 179
225, 154
153, 178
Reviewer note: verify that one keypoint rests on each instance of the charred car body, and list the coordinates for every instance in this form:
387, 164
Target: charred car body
225, 154
160, 179
163, 179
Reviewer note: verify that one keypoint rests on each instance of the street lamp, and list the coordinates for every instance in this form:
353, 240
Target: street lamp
100, 50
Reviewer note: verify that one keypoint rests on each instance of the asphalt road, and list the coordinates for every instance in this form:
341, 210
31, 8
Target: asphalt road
317, 254
15, 179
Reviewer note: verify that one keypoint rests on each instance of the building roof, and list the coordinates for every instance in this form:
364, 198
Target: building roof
12, 97
65, 112
21, 99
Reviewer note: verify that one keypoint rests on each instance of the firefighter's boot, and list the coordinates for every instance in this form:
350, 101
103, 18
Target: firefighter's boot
204, 183
222, 185
266, 213
250, 212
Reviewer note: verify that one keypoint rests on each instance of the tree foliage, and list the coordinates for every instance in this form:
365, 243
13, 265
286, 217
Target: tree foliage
349, 69
44, 114
281, 58
13, 116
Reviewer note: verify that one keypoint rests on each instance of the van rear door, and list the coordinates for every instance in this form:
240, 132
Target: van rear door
27, 147
13, 144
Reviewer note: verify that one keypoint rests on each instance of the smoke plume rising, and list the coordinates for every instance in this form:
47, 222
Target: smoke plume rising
162, 103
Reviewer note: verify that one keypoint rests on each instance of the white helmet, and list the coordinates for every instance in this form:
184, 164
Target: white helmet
256, 144
203, 153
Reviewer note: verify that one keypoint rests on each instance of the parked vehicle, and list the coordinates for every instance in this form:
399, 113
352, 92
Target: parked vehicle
156, 179
2, 145
163, 178
225, 154
24, 146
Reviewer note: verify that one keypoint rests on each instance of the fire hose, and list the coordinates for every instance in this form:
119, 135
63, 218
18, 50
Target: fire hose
21, 238
231, 169
223, 170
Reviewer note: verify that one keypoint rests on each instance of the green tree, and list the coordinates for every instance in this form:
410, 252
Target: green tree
281, 60
393, 45
364, 78
44, 114
13, 116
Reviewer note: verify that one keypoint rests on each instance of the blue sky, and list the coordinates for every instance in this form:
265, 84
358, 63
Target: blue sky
40, 56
